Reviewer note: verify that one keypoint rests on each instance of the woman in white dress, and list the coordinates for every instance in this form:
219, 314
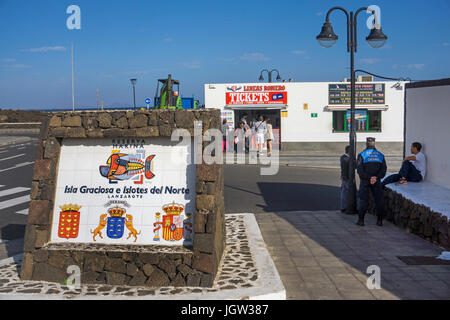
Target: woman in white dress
269, 137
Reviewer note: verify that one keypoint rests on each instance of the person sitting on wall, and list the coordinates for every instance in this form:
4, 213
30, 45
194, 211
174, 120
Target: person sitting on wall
413, 168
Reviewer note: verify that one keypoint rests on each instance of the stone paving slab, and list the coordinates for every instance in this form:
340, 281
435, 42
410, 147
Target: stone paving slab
246, 272
324, 255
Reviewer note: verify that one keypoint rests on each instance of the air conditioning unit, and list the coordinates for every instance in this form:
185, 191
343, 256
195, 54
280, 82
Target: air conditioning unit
365, 79
360, 79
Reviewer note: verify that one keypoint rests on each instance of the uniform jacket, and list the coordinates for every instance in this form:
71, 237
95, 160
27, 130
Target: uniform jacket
371, 163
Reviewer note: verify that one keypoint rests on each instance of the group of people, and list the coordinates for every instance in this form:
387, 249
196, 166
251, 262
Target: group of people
371, 168
259, 129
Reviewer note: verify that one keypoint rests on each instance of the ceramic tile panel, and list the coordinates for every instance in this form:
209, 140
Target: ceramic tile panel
124, 191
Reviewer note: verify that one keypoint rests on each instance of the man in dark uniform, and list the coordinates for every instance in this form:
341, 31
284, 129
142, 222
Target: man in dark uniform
371, 167
345, 178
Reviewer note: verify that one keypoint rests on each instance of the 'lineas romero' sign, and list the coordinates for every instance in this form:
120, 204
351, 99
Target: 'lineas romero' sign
124, 191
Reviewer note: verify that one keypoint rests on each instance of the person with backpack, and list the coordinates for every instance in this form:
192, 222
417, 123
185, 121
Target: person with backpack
260, 130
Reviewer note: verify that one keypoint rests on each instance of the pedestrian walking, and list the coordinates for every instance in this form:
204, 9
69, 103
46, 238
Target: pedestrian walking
225, 132
371, 167
260, 130
241, 135
269, 137
345, 178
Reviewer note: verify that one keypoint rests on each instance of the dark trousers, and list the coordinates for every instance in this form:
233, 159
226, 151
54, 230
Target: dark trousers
364, 188
345, 186
407, 171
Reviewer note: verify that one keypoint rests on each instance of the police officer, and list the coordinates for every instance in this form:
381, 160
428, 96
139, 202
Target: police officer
371, 167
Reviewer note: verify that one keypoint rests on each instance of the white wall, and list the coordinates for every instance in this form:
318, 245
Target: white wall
428, 122
300, 127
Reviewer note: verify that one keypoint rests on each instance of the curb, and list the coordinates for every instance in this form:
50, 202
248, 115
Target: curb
16, 258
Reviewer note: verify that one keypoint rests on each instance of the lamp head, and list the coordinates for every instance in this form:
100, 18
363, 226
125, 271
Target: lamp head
376, 38
327, 38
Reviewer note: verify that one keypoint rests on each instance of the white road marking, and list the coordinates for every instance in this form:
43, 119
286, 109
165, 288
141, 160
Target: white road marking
7, 192
17, 166
4, 151
16, 156
14, 202
24, 212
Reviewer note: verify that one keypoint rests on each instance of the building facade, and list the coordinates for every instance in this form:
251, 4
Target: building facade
314, 116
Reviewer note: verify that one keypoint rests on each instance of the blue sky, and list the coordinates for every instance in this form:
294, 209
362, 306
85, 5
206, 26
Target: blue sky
198, 42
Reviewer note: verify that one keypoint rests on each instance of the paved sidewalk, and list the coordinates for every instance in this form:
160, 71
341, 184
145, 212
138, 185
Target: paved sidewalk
324, 255
299, 159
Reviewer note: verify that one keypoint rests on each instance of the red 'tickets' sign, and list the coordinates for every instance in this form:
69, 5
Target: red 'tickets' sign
255, 98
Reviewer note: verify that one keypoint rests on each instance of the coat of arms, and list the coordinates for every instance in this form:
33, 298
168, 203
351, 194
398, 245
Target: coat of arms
172, 224
69, 221
115, 224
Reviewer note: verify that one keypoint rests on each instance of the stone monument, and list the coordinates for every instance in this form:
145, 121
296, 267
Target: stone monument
114, 198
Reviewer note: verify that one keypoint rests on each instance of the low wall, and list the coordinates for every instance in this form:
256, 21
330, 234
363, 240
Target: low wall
414, 218
136, 265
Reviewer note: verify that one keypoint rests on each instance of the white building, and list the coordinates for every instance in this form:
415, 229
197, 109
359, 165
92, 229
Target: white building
314, 116
427, 115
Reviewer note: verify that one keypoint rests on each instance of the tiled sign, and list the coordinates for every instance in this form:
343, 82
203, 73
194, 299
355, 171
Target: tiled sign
124, 191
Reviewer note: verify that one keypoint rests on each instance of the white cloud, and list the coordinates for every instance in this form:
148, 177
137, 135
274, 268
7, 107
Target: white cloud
192, 64
369, 60
446, 44
418, 66
46, 49
168, 39
226, 59
299, 52
256, 56
19, 66
138, 72
8, 60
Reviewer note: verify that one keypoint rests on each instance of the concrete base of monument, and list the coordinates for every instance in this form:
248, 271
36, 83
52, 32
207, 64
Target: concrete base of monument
247, 272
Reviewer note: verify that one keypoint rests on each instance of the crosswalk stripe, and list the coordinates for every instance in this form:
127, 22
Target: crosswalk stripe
7, 192
16, 156
14, 202
17, 166
24, 212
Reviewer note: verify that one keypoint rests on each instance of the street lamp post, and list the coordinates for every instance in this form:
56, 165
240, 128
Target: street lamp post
261, 78
133, 82
376, 39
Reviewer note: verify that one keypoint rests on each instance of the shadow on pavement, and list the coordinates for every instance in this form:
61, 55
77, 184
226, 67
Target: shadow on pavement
298, 196
335, 246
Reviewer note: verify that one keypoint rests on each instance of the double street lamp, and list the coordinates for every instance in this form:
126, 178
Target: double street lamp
261, 78
133, 82
376, 39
